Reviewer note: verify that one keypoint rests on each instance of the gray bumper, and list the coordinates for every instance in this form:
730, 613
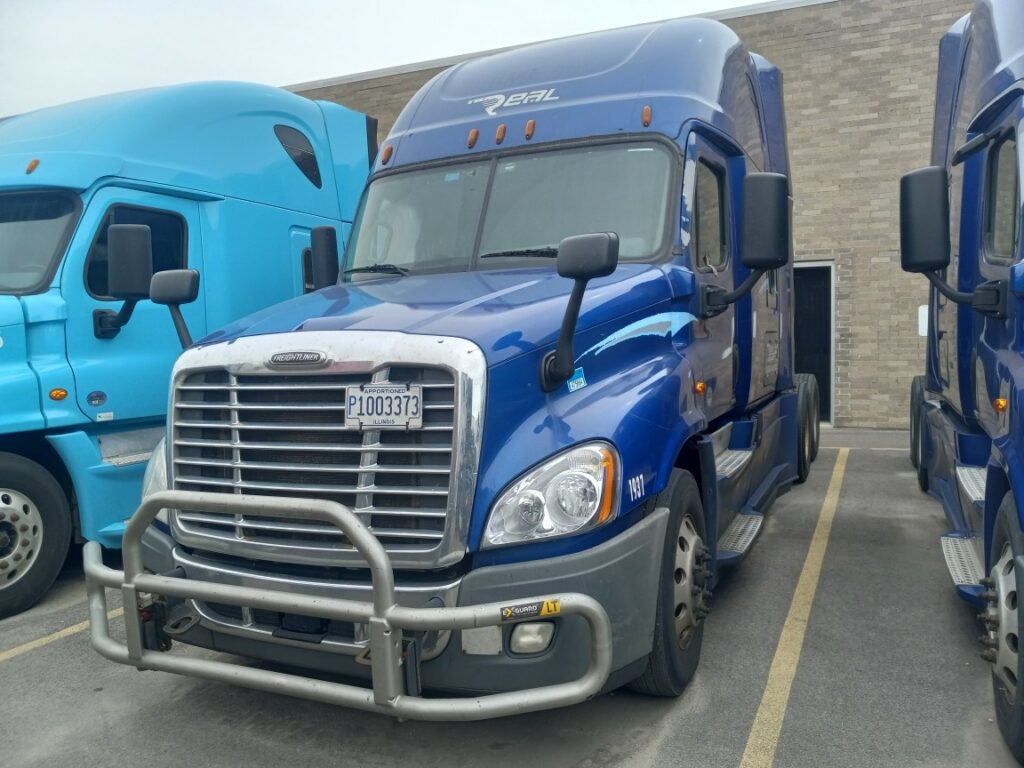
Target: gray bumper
621, 575
621, 572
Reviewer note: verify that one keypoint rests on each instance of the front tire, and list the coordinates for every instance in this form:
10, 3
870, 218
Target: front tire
1005, 626
682, 593
35, 532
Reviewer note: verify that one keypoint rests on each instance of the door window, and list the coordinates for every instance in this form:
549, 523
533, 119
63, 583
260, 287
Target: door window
709, 215
169, 238
1002, 225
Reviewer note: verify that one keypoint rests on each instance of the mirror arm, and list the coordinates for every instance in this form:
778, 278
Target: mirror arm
947, 290
715, 299
179, 325
558, 366
106, 324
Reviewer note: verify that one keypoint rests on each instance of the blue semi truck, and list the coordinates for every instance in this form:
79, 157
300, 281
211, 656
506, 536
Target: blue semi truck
230, 179
960, 227
507, 457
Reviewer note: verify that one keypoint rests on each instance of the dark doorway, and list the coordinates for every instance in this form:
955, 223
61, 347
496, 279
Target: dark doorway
812, 321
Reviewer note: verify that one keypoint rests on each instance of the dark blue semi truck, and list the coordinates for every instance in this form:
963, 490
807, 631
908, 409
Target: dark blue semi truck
960, 221
508, 455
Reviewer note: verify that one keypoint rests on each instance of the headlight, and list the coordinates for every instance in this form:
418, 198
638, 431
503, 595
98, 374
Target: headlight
572, 492
155, 478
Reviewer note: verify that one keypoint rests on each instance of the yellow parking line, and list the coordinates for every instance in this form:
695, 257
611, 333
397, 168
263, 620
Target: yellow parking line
764, 734
18, 650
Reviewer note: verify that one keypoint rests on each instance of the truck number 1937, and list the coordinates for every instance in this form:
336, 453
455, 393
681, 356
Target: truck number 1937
636, 487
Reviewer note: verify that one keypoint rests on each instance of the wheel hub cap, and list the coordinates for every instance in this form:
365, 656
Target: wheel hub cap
689, 577
1002, 621
21, 535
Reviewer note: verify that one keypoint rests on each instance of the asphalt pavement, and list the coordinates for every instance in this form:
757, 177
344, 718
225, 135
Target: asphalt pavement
883, 668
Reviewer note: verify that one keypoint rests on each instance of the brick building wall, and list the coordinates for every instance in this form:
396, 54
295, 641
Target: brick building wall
860, 89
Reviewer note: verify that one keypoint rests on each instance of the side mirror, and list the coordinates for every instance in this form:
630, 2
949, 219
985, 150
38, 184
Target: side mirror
580, 258
129, 261
129, 270
767, 221
767, 239
924, 220
172, 288
324, 257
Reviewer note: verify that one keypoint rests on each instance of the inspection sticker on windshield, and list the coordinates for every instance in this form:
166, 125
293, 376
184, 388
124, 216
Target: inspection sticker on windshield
531, 610
384, 406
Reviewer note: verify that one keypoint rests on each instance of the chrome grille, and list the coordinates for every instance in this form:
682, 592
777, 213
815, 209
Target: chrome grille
284, 434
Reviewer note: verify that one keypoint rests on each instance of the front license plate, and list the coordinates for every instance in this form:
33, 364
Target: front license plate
384, 406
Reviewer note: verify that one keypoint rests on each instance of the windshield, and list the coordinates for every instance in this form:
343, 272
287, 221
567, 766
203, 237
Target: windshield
34, 227
512, 211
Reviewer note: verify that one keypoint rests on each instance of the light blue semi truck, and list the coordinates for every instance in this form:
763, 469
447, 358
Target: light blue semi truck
230, 179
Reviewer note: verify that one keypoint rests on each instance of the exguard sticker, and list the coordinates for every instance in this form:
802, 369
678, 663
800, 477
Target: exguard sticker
578, 380
531, 610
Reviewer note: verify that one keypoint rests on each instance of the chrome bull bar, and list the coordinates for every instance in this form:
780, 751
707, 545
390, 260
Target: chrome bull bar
386, 619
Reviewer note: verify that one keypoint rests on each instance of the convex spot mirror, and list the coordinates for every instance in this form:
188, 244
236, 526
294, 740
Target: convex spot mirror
924, 220
173, 287
129, 261
767, 221
584, 257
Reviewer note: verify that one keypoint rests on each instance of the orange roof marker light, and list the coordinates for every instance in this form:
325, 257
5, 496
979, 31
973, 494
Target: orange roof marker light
531, 126
499, 135
32, 165
474, 134
645, 115
386, 154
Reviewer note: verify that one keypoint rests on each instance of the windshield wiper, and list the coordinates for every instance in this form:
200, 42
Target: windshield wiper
392, 269
547, 252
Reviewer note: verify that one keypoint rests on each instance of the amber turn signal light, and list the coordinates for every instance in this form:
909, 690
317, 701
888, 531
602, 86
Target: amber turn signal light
58, 393
700, 387
1001, 404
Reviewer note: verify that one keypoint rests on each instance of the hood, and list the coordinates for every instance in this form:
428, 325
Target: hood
505, 312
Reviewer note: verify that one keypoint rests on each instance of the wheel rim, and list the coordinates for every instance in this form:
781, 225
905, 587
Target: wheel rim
1003, 622
21, 536
688, 576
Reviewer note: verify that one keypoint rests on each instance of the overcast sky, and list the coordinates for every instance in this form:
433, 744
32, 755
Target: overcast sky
53, 51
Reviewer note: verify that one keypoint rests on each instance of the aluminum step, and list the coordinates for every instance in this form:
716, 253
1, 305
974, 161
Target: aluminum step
972, 480
731, 461
740, 534
961, 559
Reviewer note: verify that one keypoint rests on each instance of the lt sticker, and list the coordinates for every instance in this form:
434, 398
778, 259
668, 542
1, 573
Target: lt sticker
578, 380
531, 610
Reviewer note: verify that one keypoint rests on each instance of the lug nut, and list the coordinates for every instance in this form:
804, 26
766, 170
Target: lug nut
988, 596
987, 583
988, 620
988, 642
989, 655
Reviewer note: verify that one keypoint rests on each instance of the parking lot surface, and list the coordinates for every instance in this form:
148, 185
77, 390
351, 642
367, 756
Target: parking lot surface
845, 647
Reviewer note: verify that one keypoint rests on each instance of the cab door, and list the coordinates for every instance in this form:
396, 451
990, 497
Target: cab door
709, 219
998, 246
126, 377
